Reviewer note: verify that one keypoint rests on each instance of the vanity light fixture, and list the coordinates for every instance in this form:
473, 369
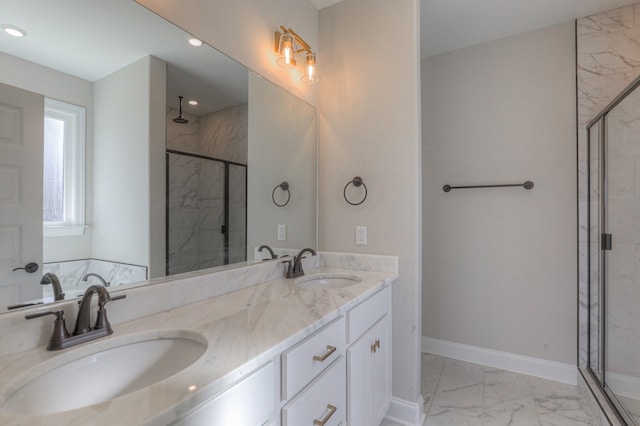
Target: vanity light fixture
288, 44
196, 42
12, 30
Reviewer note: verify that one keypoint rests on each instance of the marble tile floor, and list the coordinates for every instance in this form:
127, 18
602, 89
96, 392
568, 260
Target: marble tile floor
458, 393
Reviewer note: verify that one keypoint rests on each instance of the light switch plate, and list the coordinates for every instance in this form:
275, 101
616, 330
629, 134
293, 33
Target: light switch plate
361, 235
282, 232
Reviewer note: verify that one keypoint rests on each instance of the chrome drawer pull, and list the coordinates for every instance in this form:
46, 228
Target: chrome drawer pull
327, 354
332, 410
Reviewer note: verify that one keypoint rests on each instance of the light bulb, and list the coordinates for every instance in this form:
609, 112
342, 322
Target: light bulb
287, 51
311, 74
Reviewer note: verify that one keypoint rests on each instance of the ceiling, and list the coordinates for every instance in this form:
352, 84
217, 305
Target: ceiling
448, 25
93, 39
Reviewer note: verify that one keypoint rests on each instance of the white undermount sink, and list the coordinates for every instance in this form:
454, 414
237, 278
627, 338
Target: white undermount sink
328, 280
106, 374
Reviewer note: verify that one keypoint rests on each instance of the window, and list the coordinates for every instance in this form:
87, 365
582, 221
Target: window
63, 190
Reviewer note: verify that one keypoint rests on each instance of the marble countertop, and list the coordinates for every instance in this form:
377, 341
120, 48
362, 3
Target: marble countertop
244, 329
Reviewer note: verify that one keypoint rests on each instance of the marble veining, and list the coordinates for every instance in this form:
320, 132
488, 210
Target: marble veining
221, 134
608, 60
460, 393
245, 328
196, 193
71, 272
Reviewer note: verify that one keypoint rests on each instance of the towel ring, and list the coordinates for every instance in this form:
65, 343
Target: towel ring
285, 187
356, 181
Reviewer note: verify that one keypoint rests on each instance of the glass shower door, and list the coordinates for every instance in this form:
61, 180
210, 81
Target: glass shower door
619, 292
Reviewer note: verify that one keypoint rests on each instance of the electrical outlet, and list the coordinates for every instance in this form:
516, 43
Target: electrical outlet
361, 235
282, 232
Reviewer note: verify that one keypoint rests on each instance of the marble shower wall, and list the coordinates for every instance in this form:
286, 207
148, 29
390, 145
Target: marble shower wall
196, 195
222, 134
608, 60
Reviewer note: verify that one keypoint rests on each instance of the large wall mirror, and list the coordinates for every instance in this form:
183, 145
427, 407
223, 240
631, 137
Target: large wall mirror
128, 154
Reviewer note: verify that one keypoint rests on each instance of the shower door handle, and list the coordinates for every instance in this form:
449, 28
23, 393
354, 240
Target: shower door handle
606, 242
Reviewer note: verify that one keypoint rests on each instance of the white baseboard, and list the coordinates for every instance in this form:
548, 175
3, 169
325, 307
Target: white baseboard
624, 385
406, 413
538, 367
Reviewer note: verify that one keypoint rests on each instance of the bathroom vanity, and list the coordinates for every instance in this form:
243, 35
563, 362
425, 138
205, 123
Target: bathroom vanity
277, 352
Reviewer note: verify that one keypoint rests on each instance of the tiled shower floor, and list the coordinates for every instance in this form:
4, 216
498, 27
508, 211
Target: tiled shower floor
458, 393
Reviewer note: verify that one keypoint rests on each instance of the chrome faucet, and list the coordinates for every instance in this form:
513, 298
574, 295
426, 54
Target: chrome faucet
98, 276
51, 278
60, 338
296, 270
269, 249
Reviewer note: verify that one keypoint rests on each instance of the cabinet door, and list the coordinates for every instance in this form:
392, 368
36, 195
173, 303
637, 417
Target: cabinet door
381, 370
358, 377
249, 403
369, 376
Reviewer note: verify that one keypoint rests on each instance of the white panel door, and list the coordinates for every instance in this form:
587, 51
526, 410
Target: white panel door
21, 151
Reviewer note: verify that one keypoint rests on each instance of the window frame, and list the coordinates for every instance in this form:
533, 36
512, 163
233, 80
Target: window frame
74, 116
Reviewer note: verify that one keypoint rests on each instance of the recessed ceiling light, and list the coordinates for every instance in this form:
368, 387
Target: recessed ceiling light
193, 102
14, 31
195, 42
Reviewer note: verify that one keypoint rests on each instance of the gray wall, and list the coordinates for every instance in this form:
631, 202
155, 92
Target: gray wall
500, 264
129, 179
370, 127
282, 147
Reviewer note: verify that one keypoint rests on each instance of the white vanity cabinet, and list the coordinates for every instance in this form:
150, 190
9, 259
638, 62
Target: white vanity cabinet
369, 360
251, 402
338, 375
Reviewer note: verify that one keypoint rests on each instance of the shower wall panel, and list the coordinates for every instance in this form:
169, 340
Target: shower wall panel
221, 135
608, 60
196, 214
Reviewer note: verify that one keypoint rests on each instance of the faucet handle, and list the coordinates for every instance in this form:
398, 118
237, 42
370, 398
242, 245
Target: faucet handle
289, 263
101, 318
59, 315
101, 304
59, 333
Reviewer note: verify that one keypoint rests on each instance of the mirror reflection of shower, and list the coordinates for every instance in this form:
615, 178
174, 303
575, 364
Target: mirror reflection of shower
180, 118
206, 159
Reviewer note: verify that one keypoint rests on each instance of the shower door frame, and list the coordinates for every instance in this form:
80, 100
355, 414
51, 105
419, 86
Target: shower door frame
599, 377
226, 163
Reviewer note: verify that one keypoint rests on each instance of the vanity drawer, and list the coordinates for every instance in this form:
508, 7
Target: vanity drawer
363, 316
307, 359
324, 399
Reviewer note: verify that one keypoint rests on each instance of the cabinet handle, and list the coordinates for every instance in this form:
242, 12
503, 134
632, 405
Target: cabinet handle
378, 344
373, 348
326, 418
327, 354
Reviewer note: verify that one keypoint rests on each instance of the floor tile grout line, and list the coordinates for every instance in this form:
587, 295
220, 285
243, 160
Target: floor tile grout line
435, 390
